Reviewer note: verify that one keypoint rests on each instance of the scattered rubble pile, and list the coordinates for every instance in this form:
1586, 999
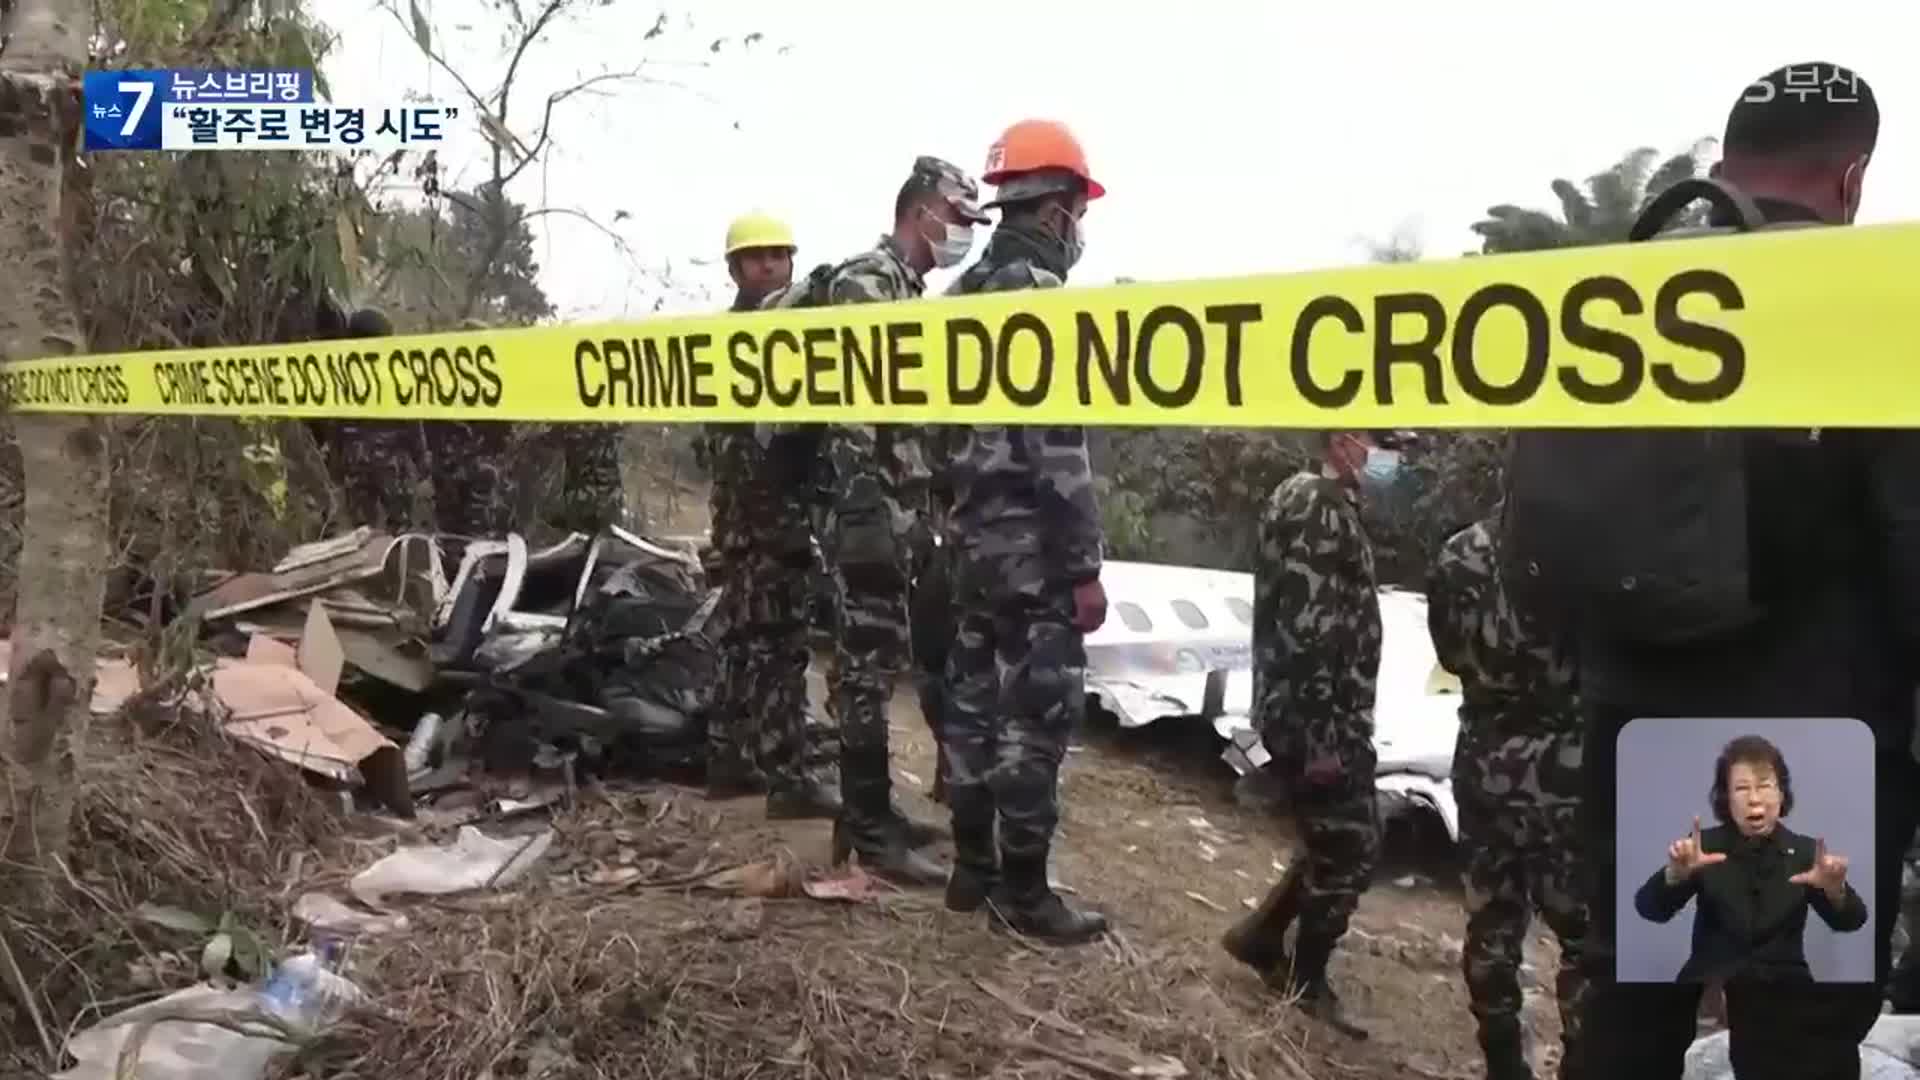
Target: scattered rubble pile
588, 658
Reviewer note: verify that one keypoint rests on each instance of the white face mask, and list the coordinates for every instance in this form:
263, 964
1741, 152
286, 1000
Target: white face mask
952, 246
1382, 466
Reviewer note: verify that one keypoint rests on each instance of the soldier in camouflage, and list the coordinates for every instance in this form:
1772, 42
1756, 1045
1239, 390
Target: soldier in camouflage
377, 465
1316, 641
877, 478
474, 493
1516, 776
763, 540
593, 496
1025, 550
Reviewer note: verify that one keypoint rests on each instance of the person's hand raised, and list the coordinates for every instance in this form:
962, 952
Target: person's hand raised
1828, 874
1685, 856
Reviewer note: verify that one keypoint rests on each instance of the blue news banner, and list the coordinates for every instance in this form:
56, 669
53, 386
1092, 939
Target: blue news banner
244, 110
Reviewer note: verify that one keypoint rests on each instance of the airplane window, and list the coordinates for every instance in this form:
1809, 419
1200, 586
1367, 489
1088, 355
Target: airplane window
1135, 619
1192, 616
1241, 609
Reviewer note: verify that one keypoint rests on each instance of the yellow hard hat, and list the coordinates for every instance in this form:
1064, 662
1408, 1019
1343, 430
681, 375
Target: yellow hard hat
758, 230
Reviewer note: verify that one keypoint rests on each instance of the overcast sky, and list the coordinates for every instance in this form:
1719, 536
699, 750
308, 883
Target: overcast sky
1232, 137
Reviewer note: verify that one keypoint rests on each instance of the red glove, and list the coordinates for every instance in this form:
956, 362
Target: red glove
1089, 606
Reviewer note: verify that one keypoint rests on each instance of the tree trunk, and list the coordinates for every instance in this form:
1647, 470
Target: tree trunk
65, 548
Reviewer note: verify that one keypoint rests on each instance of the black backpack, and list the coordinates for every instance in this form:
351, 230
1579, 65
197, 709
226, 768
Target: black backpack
797, 447
1634, 535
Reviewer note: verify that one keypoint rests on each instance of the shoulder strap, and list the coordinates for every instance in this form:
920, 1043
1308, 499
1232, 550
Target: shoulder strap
1662, 209
820, 284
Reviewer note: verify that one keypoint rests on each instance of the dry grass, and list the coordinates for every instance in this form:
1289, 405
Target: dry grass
569, 979
568, 975
172, 813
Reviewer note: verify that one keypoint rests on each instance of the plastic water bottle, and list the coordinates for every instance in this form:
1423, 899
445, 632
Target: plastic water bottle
419, 751
300, 991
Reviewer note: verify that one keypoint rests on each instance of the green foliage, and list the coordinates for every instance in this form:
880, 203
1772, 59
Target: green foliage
433, 259
228, 945
1190, 496
178, 250
1600, 212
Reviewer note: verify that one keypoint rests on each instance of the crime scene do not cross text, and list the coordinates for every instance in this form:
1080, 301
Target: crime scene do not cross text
1255, 353
1601, 341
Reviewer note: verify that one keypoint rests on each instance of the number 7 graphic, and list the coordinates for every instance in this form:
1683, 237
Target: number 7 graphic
142, 94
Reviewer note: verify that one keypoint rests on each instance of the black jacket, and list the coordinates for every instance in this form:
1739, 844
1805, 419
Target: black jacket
1834, 535
1749, 920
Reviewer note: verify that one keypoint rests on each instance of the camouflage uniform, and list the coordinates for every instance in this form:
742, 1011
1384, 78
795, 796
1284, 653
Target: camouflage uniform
1024, 532
473, 483
763, 540
875, 481
381, 467
592, 495
1317, 637
471, 463
1516, 776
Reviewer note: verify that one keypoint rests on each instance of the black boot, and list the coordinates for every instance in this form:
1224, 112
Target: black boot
1025, 904
914, 834
1259, 939
1317, 998
867, 824
733, 778
1506, 1052
807, 798
976, 865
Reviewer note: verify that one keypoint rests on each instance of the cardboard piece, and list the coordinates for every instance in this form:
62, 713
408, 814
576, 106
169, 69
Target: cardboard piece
320, 654
282, 701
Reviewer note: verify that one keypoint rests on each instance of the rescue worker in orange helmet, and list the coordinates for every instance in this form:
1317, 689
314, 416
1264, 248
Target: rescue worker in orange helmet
1024, 537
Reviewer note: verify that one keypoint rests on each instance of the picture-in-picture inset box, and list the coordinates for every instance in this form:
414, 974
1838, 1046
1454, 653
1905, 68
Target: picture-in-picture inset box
1744, 849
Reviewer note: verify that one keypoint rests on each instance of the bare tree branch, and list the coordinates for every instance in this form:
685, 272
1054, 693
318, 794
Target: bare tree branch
545, 137
547, 15
460, 201
490, 203
568, 211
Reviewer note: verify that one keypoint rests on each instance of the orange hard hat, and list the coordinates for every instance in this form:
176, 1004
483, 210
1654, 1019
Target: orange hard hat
1031, 145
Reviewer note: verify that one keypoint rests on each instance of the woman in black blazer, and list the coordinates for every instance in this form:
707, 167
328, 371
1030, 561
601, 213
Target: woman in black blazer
1752, 878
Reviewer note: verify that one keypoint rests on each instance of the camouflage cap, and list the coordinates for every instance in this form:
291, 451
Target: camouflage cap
949, 181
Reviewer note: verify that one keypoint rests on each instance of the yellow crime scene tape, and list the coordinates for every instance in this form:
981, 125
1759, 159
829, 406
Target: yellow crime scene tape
1796, 328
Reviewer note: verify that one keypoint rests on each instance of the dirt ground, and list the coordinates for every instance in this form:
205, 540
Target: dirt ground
665, 935
1154, 836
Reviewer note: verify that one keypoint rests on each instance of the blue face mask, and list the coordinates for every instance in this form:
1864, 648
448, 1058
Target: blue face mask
1382, 467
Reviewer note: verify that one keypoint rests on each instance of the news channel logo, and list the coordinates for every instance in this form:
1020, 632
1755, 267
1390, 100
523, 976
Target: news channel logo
1830, 83
125, 109
267, 109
